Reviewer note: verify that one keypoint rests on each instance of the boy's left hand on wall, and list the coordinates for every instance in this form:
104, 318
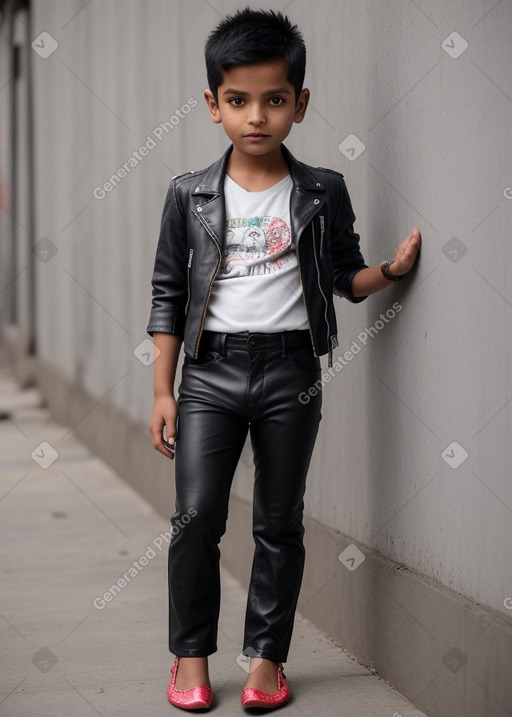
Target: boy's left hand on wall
405, 254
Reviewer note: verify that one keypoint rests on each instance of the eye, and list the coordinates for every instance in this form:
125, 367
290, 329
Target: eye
236, 101
276, 101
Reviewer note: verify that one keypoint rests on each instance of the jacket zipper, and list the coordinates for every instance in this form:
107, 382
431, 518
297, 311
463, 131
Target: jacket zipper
302, 284
322, 291
305, 305
205, 225
189, 266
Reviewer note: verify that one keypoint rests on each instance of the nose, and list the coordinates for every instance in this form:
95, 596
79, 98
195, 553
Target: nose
256, 115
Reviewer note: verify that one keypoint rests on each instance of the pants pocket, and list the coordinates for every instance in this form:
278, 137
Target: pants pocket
205, 358
303, 357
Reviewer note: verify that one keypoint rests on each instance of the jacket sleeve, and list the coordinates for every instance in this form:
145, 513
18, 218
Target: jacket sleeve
169, 280
346, 256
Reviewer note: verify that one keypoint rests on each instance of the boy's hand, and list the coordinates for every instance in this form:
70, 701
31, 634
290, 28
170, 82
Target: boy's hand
405, 254
165, 412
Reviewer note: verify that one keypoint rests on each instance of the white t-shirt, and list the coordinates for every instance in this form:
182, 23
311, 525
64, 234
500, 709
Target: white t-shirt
258, 286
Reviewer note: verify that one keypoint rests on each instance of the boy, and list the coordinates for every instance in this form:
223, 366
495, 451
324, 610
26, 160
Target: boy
250, 253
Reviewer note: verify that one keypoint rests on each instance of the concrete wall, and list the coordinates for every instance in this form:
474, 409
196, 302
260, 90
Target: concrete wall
412, 457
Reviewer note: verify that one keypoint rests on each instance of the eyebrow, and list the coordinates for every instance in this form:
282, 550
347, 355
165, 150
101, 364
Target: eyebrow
277, 91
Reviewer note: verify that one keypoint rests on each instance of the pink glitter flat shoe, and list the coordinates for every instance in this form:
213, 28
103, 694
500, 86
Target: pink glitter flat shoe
195, 698
251, 697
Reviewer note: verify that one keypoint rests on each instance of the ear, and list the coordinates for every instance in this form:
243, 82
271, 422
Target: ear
212, 106
302, 104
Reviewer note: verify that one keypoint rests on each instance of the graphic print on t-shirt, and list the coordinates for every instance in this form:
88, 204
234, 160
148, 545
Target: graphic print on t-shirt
255, 246
258, 286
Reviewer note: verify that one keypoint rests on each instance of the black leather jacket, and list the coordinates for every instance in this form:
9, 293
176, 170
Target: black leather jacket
189, 250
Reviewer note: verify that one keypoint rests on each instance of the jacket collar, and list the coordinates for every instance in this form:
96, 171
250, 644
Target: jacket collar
209, 194
212, 182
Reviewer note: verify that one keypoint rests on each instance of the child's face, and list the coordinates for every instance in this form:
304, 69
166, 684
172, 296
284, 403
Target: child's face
256, 106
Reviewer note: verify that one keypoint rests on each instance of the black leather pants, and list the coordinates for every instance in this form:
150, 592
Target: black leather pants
240, 383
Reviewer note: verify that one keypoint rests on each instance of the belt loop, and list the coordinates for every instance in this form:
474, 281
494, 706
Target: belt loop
222, 343
284, 341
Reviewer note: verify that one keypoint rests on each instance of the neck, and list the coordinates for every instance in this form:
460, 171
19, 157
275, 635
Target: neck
256, 170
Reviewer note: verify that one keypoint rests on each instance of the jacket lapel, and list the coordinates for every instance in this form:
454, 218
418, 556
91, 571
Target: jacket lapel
209, 198
308, 193
306, 200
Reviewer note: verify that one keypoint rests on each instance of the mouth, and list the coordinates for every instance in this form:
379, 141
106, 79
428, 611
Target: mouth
256, 136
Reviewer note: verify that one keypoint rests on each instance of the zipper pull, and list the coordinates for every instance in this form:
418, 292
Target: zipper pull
333, 342
322, 229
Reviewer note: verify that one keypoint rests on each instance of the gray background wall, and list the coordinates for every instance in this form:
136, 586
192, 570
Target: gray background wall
436, 130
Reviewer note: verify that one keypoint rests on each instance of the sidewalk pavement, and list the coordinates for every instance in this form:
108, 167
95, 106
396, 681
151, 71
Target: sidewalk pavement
73, 646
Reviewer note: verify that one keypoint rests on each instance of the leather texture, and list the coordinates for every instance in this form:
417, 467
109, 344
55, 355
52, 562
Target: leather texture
189, 250
240, 384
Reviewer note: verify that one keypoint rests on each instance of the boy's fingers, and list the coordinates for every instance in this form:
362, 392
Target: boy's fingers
168, 442
162, 427
156, 433
170, 428
164, 449
170, 436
